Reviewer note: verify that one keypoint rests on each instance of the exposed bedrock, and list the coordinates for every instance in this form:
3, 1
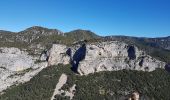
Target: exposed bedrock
17, 66
57, 55
103, 56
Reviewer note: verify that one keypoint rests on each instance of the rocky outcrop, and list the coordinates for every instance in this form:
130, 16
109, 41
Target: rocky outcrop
103, 56
57, 55
115, 56
15, 60
16, 66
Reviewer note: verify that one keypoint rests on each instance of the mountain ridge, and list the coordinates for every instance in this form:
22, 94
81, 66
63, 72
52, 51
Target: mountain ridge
34, 59
32, 27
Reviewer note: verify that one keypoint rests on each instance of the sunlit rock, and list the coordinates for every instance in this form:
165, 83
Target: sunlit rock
103, 56
57, 55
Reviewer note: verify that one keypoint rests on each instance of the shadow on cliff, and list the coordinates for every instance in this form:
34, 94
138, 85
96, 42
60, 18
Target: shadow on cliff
167, 67
78, 56
131, 53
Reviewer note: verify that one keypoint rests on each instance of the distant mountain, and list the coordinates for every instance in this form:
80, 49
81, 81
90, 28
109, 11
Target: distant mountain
41, 31
160, 42
40, 34
163, 42
79, 34
28, 36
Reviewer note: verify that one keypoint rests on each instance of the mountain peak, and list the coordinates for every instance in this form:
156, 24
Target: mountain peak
41, 30
80, 34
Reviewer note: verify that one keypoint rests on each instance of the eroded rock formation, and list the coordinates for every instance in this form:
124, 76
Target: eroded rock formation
16, 66
57, 55
103, 56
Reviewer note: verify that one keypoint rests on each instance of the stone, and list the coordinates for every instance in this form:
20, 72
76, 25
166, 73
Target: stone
103, 56
57, 55
16, 67
15, 60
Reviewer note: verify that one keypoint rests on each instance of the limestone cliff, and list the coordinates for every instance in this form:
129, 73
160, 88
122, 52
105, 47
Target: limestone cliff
16, 66
103, 56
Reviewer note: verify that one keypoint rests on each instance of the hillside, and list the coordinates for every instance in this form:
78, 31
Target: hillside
115, 85
79, 35
111, 67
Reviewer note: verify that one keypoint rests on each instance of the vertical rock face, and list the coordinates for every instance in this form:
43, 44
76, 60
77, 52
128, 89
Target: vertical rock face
108, 56
17, 66
57, 54
131, 53
78, 56
167, 67
103, 56
15, 60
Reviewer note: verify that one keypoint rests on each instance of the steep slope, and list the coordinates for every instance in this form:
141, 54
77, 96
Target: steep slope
153, 48
160, 42
113, 85
163, 42
17, 67
24, 54
103, 56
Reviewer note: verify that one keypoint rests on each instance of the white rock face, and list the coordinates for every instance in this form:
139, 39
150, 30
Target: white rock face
114, 56
57, 54
105, 56
15, 60
16, 67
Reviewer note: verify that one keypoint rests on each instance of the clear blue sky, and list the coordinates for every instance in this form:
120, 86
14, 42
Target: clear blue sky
145, 18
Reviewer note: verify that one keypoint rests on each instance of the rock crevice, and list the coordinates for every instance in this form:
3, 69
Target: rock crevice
103, 56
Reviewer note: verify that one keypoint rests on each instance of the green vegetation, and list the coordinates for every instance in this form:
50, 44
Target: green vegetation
156, 52
78, 35
117, 84
99, 86
27, 38
40, 87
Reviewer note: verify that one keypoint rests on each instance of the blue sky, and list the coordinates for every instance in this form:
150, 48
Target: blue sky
142, 18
